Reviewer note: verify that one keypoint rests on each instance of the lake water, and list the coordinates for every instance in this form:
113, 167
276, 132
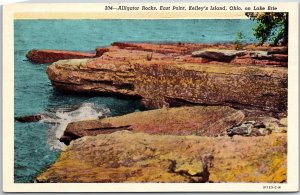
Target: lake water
36, 145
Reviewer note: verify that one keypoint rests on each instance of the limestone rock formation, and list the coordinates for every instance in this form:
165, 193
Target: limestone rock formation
196, 120
138, 157
172, 77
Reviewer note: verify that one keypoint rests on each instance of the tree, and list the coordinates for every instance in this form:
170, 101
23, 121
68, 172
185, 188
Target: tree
272, 26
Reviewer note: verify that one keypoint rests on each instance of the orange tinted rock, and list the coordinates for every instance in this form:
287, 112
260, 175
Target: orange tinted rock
168, 77
140, 157
195, 120
249, 60
49, 56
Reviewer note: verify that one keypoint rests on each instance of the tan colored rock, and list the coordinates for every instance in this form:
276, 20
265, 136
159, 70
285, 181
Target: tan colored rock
196, 120
169, 79
283, 122
138, 157
280, 130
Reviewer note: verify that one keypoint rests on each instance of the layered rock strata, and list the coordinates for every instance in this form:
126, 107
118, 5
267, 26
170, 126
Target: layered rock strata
177, 144
164, 77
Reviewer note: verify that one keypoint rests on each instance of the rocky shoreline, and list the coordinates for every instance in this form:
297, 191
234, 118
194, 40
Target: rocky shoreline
213, 113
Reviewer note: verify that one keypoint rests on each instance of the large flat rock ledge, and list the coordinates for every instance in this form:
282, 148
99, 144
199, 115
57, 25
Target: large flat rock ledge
195, 120
168, 81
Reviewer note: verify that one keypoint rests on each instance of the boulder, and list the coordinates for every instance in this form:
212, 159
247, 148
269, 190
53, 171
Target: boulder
283, 122
250, 128
258, 126
50, 56
219, 55
138, 157
196, 120
282, 126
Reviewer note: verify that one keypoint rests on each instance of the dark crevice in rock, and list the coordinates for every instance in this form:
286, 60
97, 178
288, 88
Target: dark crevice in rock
55, 83
177, 102
68, 137
200, 177
241, 106
118, 128
64, 88
127, 86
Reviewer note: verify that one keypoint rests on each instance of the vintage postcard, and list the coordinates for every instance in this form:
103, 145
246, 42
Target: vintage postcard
161, 97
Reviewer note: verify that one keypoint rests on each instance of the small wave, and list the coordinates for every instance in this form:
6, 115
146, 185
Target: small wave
59, 118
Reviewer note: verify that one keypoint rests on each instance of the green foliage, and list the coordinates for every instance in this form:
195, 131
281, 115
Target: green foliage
238, 41
272, 26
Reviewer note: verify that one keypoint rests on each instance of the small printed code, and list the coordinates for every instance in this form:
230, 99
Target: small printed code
271, 187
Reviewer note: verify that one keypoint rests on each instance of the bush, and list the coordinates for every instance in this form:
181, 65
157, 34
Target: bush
238, 41
272, 26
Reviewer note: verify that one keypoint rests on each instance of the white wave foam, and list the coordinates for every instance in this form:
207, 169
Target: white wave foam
59, 118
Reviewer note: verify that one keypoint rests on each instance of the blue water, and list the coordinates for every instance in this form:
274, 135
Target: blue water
33, 91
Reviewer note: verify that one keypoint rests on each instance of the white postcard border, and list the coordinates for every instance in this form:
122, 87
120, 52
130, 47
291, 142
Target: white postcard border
8, 108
